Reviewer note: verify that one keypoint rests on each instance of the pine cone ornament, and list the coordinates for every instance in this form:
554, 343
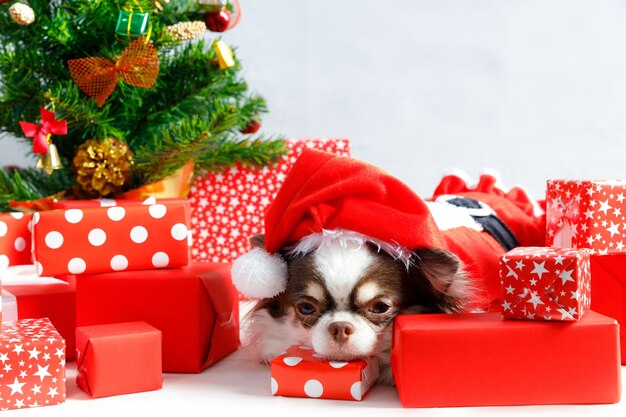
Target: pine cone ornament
22, 14
103, 167
186, 31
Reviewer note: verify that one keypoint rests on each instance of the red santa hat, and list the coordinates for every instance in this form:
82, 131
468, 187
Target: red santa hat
326, 192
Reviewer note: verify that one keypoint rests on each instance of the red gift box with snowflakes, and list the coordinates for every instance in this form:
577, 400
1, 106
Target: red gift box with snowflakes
545, 283
14, 239
229, 207
586, 214
300, 372
107, 239
33, 364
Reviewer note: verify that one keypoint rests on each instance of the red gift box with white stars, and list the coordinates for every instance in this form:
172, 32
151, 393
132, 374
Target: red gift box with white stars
542, 283
481, 359
300, 372
586, 214
115, 238
14, 239
32, 369
229, 207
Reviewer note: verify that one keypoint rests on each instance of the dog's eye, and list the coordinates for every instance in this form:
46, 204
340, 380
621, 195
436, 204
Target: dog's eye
379, 307
306, 309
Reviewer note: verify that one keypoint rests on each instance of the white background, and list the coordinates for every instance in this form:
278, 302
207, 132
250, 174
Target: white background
534, 88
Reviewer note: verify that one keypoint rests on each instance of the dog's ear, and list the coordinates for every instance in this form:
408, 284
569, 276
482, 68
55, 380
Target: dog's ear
257, 241
438, 282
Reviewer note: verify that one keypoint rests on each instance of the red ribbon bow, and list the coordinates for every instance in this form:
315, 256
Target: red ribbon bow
40, 133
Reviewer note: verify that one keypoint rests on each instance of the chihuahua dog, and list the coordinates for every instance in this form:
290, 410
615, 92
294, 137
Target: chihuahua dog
347, 248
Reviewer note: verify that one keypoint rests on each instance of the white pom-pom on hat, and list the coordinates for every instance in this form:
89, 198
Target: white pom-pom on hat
259, 274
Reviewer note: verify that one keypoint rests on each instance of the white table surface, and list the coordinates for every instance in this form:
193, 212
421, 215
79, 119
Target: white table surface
238, 384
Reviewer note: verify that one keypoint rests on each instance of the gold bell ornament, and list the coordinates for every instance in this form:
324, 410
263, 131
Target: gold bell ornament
49, 159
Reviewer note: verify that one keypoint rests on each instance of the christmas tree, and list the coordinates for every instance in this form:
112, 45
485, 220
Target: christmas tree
126, 93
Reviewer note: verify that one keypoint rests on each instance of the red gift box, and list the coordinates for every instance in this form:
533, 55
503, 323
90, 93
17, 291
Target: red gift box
545, 283
195, 307
39, 297
105, 239
449, 360
608, 291
121, 358
300, 373
33, 371
14, 239
586, 214
229, 207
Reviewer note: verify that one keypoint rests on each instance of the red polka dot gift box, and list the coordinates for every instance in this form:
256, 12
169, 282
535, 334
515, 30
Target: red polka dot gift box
229, 207
542, 283
33, 364
586, 214
115, 238
300, 372
14, 239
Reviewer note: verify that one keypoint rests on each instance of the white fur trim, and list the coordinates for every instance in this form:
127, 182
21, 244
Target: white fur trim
348, 238
258, 274
448, 216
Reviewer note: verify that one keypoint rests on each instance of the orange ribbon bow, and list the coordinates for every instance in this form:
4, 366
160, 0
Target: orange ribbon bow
97, 77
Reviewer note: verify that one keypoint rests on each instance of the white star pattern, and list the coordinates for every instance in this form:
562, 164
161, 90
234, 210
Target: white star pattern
34, 382
601, 224
240, 197
553, 274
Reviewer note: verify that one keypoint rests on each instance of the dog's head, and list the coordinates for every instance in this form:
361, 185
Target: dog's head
342, 293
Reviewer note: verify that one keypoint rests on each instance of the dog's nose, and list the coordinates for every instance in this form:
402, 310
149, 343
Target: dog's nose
340, 331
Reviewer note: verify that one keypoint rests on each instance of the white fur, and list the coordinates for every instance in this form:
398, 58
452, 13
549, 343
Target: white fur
361, 343
367, 292
341, 264
258, 274
448, 216
346, 238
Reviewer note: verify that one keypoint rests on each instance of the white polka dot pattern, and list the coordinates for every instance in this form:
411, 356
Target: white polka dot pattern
228, 207
299, 373
91, 236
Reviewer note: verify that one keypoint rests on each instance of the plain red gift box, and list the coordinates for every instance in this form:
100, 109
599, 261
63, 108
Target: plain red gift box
196, 308
608, 290
449, 360
120, 358
56, 301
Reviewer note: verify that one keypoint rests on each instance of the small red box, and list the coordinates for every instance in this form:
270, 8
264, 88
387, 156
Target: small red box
38, 297
542, 283
586, 214
106, 239
195, 307
228, 207
33, 370
299, 373
121, 358
14, 239
608, 290
450, 360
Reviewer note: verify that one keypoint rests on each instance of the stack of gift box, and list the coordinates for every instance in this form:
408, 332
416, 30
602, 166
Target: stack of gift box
112, 284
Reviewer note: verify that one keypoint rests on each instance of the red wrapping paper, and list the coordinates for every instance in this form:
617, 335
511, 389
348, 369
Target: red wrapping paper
33, 365
586, 214
14, 239
545, 283
450, 360
105, 239
229, 207
39, 297
121, 358
300, 373
196, 308
608, 290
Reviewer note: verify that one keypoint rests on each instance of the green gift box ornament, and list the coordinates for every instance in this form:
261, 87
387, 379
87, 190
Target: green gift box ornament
132, 24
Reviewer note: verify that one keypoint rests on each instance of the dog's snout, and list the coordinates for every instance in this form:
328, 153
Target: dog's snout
340, 330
